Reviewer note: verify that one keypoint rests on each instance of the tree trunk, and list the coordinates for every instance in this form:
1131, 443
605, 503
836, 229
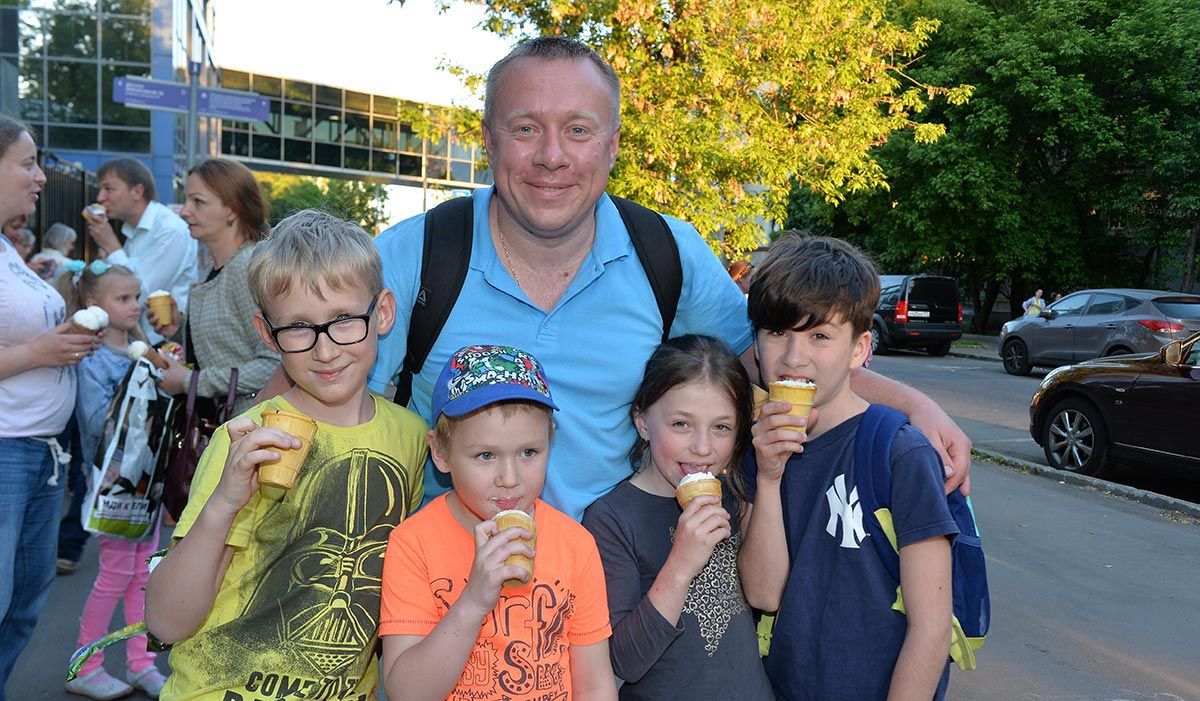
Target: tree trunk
989, 301
1189, 277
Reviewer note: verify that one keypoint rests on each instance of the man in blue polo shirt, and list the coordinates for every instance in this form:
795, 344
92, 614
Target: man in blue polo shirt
553, 271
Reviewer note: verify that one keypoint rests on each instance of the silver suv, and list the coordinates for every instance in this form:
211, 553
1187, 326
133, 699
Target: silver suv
1098, 323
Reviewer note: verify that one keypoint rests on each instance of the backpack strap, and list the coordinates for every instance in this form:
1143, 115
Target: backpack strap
873, 475
444, 259
449, 228
659, 255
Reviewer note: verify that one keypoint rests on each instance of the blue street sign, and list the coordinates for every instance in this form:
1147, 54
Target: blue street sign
132, 91
234, 104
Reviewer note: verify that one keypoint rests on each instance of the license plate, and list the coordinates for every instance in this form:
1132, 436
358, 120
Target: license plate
918, 315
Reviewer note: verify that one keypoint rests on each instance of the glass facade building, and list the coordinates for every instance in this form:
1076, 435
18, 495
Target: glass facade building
326, 130
58, 59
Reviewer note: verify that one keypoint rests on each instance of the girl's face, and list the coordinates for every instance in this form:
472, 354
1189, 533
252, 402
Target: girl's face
205, 214
118, 295
691, 428
20, 178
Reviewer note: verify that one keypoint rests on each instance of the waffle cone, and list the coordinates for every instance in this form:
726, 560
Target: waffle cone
161, 306
684, 493
76, 328
156, 359
518, 519
282, 472
801, 398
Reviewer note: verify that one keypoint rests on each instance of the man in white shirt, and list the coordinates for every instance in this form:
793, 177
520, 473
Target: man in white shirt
157, 244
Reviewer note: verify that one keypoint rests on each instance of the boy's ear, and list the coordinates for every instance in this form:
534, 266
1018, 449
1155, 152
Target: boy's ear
264, 332
385, 310
436, 454
861, 351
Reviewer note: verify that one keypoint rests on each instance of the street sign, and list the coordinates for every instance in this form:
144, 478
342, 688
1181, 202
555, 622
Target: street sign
132, 91
234, 104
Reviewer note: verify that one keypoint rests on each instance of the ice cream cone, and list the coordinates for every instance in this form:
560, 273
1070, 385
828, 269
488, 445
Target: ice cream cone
140, 349
160, 303
514, 518
282, 472
692, 486
798, 393
95, 212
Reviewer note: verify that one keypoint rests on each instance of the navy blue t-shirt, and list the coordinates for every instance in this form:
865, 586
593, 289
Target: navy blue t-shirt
836, 635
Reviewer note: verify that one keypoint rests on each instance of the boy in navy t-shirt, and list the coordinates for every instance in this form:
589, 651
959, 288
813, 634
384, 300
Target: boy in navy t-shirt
805, 553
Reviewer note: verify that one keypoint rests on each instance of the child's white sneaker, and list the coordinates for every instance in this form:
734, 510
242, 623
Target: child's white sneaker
99, 685
149, 680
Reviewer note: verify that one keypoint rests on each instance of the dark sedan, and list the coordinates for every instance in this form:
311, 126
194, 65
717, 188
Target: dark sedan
1139, 408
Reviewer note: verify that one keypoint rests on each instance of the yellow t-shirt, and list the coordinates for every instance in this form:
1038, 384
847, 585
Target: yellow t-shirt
297, 613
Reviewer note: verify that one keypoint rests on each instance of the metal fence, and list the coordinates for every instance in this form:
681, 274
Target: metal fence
69, 188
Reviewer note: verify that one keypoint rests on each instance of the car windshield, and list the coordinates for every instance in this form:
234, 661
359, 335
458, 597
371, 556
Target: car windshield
1179, 307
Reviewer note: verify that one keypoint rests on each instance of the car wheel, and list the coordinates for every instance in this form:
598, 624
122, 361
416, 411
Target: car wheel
878, 346
939, 349
1119, 350
1075, 439
1016, 357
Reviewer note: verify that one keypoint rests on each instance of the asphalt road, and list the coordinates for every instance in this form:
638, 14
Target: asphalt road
992, 407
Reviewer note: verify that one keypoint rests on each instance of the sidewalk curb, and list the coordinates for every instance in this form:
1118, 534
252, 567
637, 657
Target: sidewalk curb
970, 356
1158, 501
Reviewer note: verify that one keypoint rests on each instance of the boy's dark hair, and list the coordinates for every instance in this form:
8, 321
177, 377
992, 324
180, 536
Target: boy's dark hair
806, 281
132, 172
695, 358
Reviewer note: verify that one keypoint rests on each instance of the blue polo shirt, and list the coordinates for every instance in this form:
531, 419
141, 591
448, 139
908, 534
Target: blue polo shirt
594, 343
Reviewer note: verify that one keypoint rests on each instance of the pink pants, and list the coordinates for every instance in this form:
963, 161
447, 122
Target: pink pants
123, 574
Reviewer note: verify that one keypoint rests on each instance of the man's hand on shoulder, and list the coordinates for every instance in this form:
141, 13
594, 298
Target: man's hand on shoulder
950, 442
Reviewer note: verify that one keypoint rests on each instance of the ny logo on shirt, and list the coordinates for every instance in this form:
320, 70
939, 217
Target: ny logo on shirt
848, 510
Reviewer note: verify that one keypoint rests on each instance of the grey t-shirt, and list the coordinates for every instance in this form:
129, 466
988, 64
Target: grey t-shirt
713, 651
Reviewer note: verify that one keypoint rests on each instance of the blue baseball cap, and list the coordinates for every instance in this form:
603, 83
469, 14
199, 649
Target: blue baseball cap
476, 376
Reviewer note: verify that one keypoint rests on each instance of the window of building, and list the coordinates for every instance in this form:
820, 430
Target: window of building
358, 158
357, 130
125, 140
328, 125
297, 151
297, 90
358, 101
327, 95
297, 120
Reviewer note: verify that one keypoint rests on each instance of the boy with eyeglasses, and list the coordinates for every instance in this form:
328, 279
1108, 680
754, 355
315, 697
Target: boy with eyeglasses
268, 592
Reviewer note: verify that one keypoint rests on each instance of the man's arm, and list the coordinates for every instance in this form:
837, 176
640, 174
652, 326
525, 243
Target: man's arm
947, 438
591, 673
925, 579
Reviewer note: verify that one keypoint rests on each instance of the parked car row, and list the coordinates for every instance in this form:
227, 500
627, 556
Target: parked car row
1138, 407
1097, 323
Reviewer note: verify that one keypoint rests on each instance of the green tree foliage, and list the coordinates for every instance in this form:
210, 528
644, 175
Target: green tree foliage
357, 201
724, 102
1076, 162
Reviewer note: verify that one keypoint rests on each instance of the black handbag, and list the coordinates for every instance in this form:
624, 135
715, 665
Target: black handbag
191, 437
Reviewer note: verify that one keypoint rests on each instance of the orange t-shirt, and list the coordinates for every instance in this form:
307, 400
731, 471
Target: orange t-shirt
523, 651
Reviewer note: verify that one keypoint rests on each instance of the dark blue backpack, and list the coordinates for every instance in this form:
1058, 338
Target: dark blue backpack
873, 474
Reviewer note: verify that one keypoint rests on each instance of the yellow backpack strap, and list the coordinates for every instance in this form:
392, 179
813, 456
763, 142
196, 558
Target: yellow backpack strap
962, 648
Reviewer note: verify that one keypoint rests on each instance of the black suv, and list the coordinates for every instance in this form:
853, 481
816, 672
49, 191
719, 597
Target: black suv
917, 311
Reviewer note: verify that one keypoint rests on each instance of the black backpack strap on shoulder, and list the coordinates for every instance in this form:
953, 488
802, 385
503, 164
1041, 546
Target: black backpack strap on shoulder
449, 228
656, 249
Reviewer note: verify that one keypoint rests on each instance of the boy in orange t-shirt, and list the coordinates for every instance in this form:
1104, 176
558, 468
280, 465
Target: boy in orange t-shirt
453, 624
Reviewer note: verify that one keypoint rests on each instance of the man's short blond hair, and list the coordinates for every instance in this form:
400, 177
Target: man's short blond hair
318, 250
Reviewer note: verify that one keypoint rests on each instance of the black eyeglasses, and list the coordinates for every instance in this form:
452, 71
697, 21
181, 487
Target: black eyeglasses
346, 331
